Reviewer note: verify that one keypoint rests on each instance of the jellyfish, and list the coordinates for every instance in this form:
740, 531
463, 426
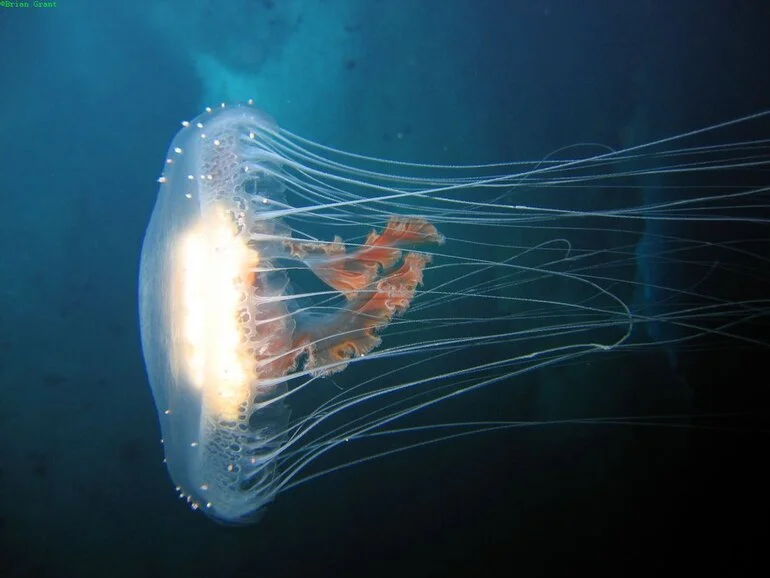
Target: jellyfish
273, 266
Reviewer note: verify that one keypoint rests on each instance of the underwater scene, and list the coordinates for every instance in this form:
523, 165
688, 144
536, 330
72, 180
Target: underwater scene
404, 288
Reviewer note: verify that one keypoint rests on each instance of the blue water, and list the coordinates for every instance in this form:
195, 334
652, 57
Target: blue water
87, 110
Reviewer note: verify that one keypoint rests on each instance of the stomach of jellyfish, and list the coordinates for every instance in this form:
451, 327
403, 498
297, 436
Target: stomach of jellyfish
305, 310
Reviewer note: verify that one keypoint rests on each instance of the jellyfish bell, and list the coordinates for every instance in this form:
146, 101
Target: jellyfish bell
217, 330
273, 266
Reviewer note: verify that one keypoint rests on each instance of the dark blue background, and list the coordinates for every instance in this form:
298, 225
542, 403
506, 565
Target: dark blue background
91, 96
